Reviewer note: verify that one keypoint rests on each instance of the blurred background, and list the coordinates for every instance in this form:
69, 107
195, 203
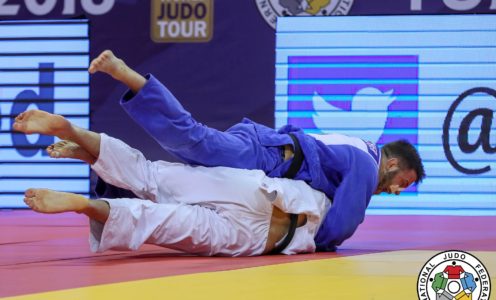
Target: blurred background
414, 69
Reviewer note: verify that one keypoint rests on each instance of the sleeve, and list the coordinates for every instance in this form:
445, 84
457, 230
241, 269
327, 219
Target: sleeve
163, 117
158, 111
349, 204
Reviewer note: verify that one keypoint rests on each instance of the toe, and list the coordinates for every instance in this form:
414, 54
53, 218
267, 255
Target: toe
17, 126
92, 68
20, 117
30, 193
28, 201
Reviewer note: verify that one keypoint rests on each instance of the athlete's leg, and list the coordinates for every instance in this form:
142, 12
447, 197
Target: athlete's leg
134, 174
158, 111
68, 149
51, 202
42, 122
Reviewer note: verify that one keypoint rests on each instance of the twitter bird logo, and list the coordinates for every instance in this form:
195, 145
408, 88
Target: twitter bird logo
368, 114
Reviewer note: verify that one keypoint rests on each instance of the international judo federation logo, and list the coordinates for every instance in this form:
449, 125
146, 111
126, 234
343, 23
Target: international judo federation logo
454, 275
271, 9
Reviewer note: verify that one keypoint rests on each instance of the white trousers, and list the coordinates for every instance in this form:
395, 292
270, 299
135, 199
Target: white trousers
204, 211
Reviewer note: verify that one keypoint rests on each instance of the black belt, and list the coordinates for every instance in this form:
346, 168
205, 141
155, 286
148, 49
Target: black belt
297, 161
294, 167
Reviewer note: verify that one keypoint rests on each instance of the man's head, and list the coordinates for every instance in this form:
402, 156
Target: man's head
400, 166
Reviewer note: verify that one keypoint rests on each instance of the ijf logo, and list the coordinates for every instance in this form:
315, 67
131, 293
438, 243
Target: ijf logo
271, 9
454, 275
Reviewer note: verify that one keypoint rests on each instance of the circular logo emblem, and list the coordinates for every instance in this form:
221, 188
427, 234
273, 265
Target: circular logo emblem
454, 275
271, 9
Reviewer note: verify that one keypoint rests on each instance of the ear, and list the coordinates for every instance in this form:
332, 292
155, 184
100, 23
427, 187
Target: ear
391, 163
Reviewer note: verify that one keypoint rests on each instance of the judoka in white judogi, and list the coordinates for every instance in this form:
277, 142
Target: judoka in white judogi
205, 211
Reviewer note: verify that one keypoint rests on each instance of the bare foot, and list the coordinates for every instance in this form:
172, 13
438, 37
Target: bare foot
68, 149
108, 63
38, 121
51, 202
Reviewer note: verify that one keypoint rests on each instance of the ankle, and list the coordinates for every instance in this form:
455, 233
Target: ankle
121, 71
84, 205
66, 134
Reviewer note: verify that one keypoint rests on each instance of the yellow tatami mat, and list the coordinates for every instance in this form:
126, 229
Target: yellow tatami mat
386, 275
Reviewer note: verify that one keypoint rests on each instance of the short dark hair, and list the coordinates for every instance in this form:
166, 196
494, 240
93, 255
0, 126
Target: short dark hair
407, 155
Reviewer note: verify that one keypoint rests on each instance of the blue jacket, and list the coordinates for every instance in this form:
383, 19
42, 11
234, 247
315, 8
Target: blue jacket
344, 168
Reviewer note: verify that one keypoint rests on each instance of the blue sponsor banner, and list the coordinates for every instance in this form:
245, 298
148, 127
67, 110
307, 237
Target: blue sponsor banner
430, 81
384, 86
218, 58
43, 65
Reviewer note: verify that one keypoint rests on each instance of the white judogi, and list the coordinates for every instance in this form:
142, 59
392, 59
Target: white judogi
205, 211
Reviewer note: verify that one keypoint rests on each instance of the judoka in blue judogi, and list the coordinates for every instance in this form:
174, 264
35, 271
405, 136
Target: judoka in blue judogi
347, 169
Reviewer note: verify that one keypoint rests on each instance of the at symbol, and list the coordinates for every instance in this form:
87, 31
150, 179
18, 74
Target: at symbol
465, 146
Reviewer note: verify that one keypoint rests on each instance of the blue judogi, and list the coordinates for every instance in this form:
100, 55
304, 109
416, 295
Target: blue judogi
468, 282
344, 168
